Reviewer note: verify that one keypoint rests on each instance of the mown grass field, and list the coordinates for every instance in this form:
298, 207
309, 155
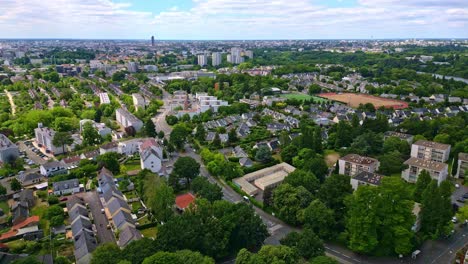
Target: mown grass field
302, 97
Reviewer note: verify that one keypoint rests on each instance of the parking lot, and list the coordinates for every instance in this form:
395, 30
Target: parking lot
457, 196
31, 154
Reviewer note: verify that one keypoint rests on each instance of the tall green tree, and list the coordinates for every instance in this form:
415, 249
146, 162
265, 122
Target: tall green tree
187, 168
424, 179
61, 139
318, 146
333, 193
290, 201
307, 243
109, 160
159, 197
108, 253
150, 128
90, 135
15, 185
320, 219
200, 134
436, 210
303, 178
178, 257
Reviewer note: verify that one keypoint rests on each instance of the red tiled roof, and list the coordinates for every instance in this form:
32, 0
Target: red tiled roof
27, 222
184, 200
148, 143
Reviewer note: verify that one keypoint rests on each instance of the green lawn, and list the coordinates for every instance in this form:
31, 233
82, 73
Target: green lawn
149, 232
301, 96
4, 206
41, 210
132, 165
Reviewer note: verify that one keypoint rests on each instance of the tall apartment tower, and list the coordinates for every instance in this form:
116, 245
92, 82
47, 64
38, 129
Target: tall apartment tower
236, 56
202, 59
152, 41
216, 58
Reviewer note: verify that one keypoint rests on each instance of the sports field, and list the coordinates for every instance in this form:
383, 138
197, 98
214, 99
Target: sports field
354, 100
301, 96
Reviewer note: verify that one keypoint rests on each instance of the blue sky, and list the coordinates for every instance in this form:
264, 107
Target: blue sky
233, 19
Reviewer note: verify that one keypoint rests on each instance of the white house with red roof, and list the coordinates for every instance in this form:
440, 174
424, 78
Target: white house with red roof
151, 155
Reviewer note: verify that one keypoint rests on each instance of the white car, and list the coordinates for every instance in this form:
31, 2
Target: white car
454, 219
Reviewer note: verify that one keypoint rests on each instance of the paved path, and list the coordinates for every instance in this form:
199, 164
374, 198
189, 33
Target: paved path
100, 220
12, 102
160, 118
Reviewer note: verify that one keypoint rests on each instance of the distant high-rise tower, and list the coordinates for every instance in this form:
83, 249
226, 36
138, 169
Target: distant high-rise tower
236, 57
216, 58
202, 60
152, 41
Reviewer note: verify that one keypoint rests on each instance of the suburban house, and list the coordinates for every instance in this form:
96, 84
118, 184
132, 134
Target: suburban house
437, 170
366, 178
71, 162
129, 147
108, 147
138, 101
44, 139
84, 238
127, 119
352, 164
8, 150
29, 179
67, 187
462, 167
117, 210
19, 212
270, 177
151, 156
53, 168
428, 150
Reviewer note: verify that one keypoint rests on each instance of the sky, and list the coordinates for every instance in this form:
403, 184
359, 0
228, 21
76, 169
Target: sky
233, 19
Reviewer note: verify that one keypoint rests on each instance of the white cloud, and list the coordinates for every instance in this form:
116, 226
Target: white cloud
234, 19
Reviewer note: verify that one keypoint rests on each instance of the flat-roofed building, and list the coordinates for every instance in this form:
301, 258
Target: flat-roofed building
366, 178
127, 119
207, 102
138, 101
462, 167
44, 139
437, 170
101, 128
104, 98
253, 182
8, 150
428, 150
352, 164
407, 137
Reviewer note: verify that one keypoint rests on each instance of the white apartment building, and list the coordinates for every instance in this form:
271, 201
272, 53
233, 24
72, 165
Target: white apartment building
44, 138
462, 167
202, 60
132, 66
8, 150
428, 150
236, 56
249, 54
138, 101
437, 170
352, 164
216, 58
207, 102
104, 98
129, 147
101, 128
151, 156
126, 119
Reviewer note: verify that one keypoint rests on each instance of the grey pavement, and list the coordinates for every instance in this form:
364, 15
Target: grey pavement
31, 155
100, 220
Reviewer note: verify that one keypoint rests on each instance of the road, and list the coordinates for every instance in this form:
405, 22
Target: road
160, 118
12, 102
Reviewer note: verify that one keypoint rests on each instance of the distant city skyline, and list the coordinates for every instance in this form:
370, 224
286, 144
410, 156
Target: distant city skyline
233, 19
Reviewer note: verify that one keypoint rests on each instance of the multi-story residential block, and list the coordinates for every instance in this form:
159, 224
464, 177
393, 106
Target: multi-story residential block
407, 137
249, 54
207, 102
104, 98
352, 164
151, 156
132, 66
437, 170
366, 178
428, 150
202, 60
127, 119
462, 167
101, 128
236, 56
216, 59
44, 139
8, 150
180, 100
139, 101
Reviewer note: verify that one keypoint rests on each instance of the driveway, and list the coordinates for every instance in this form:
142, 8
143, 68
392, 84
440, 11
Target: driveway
31, 155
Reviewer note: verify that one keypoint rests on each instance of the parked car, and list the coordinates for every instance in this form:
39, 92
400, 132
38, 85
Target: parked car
461, 200
454, 219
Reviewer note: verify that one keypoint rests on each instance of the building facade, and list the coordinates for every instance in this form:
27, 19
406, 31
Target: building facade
352, 164
8, 150
127, 119
44, 139
428, 150
437, 170
216, 59
462, 167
